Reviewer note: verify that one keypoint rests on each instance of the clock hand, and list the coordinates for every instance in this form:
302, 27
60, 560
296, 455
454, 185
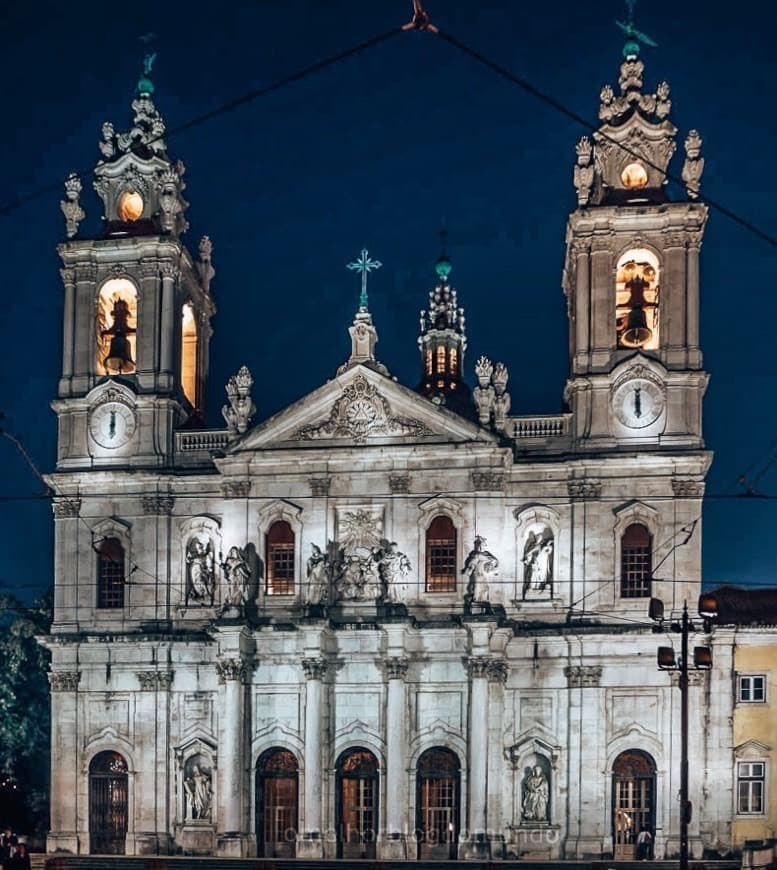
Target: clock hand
637, 402
112, 426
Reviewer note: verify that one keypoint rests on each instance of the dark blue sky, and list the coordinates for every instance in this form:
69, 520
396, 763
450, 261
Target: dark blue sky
375, 152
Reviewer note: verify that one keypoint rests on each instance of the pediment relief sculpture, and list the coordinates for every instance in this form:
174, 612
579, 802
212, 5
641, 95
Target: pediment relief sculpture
361, 412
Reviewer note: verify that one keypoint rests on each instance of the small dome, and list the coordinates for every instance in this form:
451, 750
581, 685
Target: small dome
443, 267
145, 86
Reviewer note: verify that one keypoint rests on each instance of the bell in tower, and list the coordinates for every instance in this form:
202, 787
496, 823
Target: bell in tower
119, 359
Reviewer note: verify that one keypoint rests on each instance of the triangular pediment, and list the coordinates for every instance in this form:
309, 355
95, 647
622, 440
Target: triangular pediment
360, 407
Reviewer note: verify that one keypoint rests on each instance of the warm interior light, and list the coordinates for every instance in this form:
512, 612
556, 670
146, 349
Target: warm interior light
634, 176
637, 299
112, 292
189, 354
130, 206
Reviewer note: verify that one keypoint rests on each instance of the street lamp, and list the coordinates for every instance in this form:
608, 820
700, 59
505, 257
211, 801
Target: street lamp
702, 661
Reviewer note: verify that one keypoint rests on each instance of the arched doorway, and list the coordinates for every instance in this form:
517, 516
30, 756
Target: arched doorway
277, 799
357, 780
437, 804
633, 801
108, 793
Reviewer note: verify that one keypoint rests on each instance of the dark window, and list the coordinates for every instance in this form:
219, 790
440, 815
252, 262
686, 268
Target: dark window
636, 565
751, 779
110, 574
280, 559
441, 556
752, 689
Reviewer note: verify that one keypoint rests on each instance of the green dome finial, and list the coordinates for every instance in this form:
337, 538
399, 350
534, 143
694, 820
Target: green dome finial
633, 36
145, 85
443, 266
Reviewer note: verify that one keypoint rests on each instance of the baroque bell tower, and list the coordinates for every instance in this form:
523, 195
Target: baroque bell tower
137, 305
631, 276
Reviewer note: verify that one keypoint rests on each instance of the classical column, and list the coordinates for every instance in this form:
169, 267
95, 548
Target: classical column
602, 300
231, 788
68, 320
311, 843
497, 677
582, 305
84, 346
167, 336
692, 323
63, 835
394, 845
476, 847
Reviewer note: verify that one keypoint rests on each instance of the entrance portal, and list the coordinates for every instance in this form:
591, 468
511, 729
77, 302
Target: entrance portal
633, 801
437, 802
357, 804
277, 775
108, 791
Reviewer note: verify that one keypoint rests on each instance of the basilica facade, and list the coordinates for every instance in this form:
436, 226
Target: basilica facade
387, 622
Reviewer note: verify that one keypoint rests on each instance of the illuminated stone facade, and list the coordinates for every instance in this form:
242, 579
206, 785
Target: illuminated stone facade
374, 625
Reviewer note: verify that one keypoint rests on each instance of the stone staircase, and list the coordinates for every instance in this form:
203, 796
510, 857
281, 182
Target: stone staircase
175, 862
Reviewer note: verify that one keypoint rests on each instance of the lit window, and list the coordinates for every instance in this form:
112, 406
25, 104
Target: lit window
453, 360
110, 574
130, 206
280, 559
751, 689
116, 327
635, 562
634, 177
189, 354
637, 299
751, 778
428, 362
440, 360
441, 556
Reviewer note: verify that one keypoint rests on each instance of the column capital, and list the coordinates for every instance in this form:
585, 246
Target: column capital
583, 676
396, 667
478, 666
231, 669
65, 507
152, 681
498, 671
158, 504
315, 669
64, 681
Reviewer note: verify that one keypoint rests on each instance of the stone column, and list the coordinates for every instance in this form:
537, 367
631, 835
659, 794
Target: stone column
477, 847
68, 325
582, 306
311, 843
63, 835
497, 677
147, 337
394, 844
84, 347
692, 293
672, 306
602, 301
168, 336
231, 787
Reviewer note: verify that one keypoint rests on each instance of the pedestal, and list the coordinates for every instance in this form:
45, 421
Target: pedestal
63, 841
310, 846
476, 848
232, 846
393, 847
198, 839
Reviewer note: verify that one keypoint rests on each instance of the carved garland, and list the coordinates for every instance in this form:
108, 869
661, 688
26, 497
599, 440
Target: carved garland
361, 412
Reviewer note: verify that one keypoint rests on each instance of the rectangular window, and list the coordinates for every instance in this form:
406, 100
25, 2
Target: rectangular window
110, 586
441, 560
752, 689
280, 569
751, 778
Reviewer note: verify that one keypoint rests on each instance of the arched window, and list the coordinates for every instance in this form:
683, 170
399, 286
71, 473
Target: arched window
108, 788
636, 299
116, 326
277, 774
357, 786
279, 561
441, 555
633, 801
636, 562
110, 574
189, 354
437, 804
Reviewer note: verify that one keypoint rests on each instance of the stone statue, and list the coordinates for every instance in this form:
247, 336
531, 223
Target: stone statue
200, 571
204, 265
538, 562
393, 568
480, 568
198, 794
237, 575
318, 572
108, 143
241, 408
71, 207
694, 164
535, 796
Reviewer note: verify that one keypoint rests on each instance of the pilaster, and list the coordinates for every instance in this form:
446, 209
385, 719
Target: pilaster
310, 844
63, 836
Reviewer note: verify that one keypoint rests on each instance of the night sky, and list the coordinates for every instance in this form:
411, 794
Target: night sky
376, 152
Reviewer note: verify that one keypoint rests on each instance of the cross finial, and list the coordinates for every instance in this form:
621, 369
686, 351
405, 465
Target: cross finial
364, 265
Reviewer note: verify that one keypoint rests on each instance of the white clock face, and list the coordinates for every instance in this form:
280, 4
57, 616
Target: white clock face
638, 403
112, 424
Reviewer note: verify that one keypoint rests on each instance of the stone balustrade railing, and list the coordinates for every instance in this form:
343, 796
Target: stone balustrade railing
200, 441
550, 426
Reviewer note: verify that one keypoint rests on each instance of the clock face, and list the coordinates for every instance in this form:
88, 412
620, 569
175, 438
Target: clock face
638, 403
112, 424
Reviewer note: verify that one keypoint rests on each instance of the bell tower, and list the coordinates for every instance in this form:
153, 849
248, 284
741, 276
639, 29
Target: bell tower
137, 304
631, 275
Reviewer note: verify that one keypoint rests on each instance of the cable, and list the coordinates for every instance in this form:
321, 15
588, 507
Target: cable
223, 109
560, 107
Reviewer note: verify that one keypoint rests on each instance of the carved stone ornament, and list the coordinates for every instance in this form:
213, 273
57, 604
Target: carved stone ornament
237, 578
584, 171
65, 508
396, 668
204, 266
152, 681
169, 185
147, 130
583, 676
64, 681
538, 562
71, 208
498, 671
478, 666
241, 408
361, 412
694, 164
585, 489
491, 397
236, 488
315, 669
686, 488
86, 273
319, 486
159, 505
399, 483
481, 570
231, 669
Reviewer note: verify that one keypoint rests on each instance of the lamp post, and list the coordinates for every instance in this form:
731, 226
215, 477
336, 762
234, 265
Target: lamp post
702, 661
